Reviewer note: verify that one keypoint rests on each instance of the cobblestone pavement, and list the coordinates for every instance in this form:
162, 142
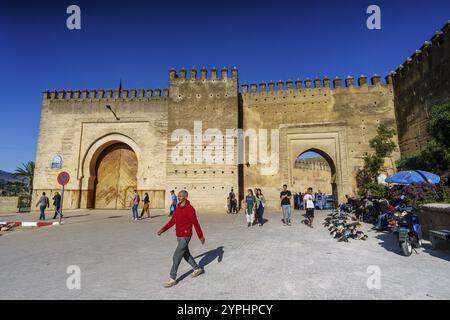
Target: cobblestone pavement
122, 259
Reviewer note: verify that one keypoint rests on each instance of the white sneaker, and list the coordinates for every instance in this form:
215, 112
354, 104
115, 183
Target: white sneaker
170, 283
197, 272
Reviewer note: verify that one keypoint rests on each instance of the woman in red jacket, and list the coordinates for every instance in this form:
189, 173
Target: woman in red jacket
184, 218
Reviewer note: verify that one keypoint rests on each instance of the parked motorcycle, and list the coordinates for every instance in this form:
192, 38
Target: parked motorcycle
409, 232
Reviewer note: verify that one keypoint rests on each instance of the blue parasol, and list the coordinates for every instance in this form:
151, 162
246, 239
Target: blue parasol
413, 176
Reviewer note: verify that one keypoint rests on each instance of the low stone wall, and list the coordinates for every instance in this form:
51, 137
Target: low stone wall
8, 204
434, 216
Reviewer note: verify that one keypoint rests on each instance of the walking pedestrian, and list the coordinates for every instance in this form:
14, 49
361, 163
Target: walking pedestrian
232, 201
184, 218
300, 200
146, 207
260, 204
135, 204
285, 197
250, 202
43, 203
319, 198
308, 205
296, 201
173, 203
57, 204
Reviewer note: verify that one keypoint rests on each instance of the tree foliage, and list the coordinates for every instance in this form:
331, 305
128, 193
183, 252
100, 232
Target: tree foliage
439, 124
383, 146
27, 171
436, 156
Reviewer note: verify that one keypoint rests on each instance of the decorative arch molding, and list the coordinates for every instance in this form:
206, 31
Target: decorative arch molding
96, 148
329, 141
331, 162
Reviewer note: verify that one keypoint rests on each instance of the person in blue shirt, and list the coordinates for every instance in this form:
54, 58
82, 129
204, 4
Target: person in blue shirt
174, 202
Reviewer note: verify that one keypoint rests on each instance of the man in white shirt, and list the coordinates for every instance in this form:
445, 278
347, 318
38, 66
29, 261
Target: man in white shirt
308, 205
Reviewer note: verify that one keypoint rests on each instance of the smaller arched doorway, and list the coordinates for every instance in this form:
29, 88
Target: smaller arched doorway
115, 177
316, 169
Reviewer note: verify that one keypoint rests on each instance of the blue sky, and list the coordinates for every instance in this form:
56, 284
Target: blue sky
139, 42
309, 154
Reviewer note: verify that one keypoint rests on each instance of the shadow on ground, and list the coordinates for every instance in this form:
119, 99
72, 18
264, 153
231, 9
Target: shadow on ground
77, 216
442, 254
208, 257
390, 243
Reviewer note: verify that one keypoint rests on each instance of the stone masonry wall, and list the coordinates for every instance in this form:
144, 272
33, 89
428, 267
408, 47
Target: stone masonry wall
336, 122
211, 101
73, 123
420, 83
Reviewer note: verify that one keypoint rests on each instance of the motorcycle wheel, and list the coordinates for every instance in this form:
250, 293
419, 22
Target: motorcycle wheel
407, 247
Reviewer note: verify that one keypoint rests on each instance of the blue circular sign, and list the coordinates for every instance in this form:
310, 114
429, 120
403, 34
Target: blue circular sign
63, 178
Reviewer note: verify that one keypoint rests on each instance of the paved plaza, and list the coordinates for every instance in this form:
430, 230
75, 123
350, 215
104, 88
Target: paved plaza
122, 259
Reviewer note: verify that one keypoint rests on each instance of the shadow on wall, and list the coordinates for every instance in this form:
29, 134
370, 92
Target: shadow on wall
208, 257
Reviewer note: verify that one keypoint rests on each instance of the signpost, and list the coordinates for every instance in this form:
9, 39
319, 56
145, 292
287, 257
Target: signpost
63, 179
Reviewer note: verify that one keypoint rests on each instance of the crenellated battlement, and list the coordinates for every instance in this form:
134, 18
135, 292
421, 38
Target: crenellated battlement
108, 94
213, 74
422, 58
317, 83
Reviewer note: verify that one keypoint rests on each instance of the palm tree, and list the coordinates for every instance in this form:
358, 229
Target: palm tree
27, 171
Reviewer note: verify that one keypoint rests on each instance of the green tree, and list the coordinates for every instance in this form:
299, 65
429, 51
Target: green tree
382, 143
26, 171
383, 147
439, 124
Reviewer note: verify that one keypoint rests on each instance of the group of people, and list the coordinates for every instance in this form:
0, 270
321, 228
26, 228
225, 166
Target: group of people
319, 198
254, 204
307, 202
254, 207
135, 200
44, 203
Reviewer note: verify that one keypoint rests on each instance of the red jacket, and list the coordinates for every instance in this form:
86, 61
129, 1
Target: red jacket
184, 217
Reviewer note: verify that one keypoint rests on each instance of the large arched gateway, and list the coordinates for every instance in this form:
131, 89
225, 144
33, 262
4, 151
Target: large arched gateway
316, 170
110, 172
115, 177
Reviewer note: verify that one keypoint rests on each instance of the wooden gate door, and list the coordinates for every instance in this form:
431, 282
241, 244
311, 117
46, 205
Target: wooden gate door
116, 177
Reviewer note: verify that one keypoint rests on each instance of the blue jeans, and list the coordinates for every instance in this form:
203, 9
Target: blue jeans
260, 212
286, 213
42, 216
172, 209
135, 211
319, 203
57, 212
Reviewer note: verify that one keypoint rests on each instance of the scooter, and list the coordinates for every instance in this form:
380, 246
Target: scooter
409, 233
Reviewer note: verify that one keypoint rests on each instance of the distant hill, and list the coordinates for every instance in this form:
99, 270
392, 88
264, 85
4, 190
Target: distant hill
9, 177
